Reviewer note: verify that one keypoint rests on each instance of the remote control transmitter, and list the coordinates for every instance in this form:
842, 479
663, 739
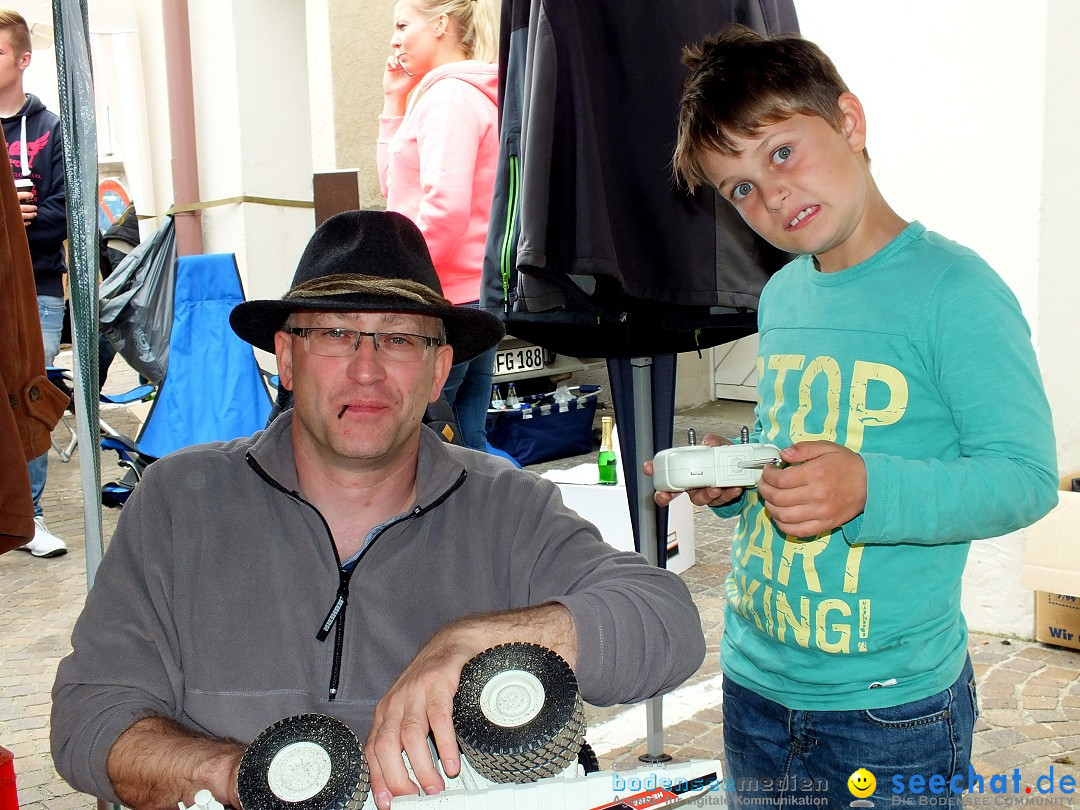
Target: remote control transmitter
729, 465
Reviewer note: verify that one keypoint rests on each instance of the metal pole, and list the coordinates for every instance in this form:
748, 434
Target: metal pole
641, 383
74, 73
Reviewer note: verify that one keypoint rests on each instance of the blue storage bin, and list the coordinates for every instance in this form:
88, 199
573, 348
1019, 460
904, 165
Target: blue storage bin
540, 431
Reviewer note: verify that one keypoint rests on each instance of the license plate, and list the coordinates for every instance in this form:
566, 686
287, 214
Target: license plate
522, 358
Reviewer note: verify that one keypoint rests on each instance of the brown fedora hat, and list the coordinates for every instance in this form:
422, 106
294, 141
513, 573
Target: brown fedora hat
368, 261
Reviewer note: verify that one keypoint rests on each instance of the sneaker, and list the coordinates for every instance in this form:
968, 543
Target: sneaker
45, 543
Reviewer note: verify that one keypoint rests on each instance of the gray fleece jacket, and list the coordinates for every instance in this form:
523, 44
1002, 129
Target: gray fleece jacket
215, 602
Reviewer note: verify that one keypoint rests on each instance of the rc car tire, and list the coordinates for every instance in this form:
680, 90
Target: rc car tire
518, 714
587, 759
304, 762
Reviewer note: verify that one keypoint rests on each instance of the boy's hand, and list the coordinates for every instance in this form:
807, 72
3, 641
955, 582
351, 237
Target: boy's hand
823, 487
705, 496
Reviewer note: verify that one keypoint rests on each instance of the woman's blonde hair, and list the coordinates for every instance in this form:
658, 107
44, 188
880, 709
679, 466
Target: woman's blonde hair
476, 23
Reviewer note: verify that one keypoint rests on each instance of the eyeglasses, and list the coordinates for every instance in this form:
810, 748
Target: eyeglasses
332, 341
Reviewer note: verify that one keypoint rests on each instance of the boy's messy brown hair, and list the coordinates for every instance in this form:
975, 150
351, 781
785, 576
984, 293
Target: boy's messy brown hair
741, 81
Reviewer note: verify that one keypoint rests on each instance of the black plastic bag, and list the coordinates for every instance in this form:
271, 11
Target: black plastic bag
136, 303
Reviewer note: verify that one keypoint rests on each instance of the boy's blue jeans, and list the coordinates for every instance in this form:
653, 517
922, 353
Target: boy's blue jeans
765, 741
468, 390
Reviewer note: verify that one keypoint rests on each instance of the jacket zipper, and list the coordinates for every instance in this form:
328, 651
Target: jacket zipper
341, 599
508, 248
336, 614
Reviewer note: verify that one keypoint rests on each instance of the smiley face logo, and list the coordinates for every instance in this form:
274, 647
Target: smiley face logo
861, 783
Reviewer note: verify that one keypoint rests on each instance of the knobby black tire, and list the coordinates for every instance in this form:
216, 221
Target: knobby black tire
587, 759
348, 783
549, 739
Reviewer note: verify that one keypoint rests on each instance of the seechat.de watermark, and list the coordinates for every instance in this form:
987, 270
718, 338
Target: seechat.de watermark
936, 790
998, 784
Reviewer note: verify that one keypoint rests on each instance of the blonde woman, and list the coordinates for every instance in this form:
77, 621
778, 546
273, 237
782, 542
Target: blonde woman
438, 143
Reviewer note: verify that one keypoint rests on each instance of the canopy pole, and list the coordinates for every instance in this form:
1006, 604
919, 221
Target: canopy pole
641, 383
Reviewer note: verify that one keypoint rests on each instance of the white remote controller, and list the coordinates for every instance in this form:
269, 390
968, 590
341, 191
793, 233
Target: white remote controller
729, 465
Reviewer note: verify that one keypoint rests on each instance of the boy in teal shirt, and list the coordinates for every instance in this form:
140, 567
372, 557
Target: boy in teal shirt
896, 371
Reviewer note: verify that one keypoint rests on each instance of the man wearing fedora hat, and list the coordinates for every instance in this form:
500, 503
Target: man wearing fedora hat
345, 560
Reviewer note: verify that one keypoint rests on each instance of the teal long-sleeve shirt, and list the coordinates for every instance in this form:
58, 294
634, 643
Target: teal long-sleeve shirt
920, 360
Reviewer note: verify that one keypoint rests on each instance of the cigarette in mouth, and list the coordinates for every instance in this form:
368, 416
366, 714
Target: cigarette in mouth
341, 413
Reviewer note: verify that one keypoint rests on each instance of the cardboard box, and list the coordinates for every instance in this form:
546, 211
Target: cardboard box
1051, 559
606, 508
1065, 482
680, 535
1051, 567
1057, 619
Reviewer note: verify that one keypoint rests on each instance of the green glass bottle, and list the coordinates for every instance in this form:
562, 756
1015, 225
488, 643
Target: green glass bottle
605, 462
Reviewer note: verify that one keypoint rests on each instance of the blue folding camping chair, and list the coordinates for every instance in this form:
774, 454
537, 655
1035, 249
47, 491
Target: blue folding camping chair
62, 379
213, 389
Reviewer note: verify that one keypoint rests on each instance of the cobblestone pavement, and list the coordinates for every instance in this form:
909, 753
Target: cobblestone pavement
1029, 692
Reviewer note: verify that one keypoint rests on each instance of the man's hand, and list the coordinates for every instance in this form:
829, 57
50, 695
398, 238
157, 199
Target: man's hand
157, 763
824, 487
29, 210
705, 496
422, 698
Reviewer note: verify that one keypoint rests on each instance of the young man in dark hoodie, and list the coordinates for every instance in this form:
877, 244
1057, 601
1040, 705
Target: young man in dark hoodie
34, 148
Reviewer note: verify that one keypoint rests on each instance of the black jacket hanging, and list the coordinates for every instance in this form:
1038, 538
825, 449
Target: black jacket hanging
593, 248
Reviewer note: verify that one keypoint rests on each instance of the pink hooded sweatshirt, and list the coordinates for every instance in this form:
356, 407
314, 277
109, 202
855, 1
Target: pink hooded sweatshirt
437, 167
